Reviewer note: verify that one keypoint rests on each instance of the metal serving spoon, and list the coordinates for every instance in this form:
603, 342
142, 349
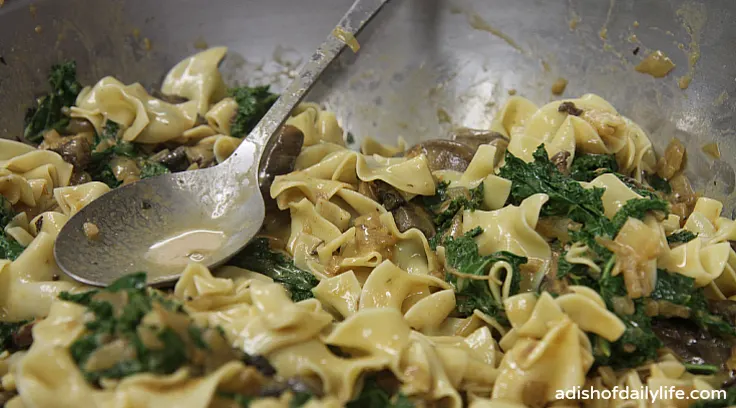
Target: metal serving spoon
160, 224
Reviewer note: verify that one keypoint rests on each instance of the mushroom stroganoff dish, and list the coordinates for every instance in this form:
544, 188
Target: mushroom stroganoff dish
484, 268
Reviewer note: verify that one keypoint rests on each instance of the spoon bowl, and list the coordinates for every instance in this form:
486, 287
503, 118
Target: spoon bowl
159, 225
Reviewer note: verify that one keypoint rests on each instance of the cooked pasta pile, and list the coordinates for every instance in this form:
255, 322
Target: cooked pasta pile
492, 268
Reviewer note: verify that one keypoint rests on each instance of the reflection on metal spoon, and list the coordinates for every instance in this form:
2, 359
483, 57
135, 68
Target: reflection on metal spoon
184, 247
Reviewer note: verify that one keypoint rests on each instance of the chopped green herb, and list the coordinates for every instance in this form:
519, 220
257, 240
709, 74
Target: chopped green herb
48, 112
462, 256
9, 247
659, 184
152, 169
681, 290
586, 167
638, 208
258, 257
681, 237
119, 315
253, 103
445, 208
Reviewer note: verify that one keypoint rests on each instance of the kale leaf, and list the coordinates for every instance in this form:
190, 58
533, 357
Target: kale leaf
152, 169
253, 103
586, 167
9, 248
681, 237
462, 256
118, 313
681, 290
48, 112
638, 208
445, 206
374, 396
567, 198
99, 167
659, 184
258, 257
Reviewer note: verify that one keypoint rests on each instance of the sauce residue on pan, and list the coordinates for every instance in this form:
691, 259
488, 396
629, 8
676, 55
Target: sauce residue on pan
185, 247
712, 150
693, 18
478, 23
656, 64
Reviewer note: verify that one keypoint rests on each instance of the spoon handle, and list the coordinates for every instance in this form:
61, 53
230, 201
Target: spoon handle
349, 26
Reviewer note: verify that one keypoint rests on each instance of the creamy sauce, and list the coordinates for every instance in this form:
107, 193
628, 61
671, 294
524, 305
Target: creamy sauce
656, 64
185, 247
347, 38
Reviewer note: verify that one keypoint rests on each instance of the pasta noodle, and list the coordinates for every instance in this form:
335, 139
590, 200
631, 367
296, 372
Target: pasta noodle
493, 273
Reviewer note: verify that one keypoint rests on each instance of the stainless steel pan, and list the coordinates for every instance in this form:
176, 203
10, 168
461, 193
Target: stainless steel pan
424, 65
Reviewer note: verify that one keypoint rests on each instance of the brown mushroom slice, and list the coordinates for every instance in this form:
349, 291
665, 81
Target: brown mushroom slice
78, 125
75, 150
443, 154
383, 193
175, 160
476, 137
560, 160
279, 157
410, 216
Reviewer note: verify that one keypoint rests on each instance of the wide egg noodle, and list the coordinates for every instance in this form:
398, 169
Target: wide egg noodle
145, 119
317, 125
371, 146
48, 371
547, 349
616, 195
44, 166
600, 129
198, 79
220, 116
510, 229
74, 198
342, 169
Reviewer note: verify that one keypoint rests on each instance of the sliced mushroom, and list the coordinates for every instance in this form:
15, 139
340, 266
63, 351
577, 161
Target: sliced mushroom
175, 160
443, 154
691, 343
79, 177
560, 160
279, 158
476, 137
78, 125
75, 150
724, 308
410, 216
383, 193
